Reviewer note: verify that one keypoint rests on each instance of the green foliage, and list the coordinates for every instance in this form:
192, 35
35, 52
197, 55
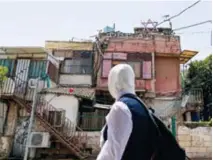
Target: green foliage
3, 74
199, 75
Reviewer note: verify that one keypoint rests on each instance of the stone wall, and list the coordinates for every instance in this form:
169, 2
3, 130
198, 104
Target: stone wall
197, 142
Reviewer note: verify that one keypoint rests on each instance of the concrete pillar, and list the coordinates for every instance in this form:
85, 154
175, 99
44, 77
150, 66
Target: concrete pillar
153, 73
188, 117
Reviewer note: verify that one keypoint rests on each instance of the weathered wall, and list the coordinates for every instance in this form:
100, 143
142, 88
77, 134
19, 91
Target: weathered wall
159, 44
68, 103
5, 146
6, 139
94, 140
67, 79
11, 119
167, 74
3, 114
197, 142
20, 137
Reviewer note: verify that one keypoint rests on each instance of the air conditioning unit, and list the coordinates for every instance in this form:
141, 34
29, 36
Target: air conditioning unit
39, 140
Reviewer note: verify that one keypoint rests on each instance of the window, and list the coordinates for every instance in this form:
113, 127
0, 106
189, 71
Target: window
142, 67
79, 64
57, 118
136, 67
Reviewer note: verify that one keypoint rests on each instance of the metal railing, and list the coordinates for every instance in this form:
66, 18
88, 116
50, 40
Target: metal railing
56, 118
195, 96
92, 123
17, 84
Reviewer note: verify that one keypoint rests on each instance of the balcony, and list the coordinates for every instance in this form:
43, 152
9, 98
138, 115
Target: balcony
23, 73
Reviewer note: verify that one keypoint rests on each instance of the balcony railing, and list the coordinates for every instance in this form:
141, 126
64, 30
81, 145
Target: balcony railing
24, 72
195, 96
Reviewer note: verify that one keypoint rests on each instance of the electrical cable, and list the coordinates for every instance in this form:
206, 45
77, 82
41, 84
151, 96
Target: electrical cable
199, 32
193, 25
166, 20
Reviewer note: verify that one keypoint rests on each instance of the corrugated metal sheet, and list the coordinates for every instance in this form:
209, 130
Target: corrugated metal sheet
50, 45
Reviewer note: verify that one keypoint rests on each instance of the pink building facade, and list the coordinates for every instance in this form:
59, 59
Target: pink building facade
155, 61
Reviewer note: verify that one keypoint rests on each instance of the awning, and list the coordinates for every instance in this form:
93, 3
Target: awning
186, 55
21, 50
13, 52
87, 93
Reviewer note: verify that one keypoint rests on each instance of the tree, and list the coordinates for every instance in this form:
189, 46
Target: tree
199, 75
3, 75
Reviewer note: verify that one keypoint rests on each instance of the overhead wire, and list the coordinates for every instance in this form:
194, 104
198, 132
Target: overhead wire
199, 32
184, 10
193, 25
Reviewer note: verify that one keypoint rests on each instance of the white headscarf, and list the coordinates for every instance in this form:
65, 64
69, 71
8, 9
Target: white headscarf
121, 79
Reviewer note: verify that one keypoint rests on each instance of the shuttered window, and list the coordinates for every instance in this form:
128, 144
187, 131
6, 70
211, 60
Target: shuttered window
147, 70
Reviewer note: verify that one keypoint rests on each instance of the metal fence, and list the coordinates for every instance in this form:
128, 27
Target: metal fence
93, 121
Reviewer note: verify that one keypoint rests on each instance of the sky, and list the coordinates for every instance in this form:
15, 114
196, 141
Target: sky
30, 23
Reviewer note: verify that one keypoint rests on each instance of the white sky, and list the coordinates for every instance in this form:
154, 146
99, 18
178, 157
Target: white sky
31, 23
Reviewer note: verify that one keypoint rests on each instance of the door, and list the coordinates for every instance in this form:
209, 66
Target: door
21, 77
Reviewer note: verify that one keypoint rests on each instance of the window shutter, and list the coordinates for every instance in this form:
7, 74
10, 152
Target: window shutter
107, 64
147, 70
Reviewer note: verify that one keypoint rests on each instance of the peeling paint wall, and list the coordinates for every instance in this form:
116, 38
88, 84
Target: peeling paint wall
11, 119
159, 44
5, 146
6, 139
20, 137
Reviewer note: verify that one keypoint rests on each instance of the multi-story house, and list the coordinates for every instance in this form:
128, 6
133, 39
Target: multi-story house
56, 111
156, 56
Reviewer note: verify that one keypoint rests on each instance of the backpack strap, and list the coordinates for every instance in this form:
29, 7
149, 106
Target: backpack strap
151, 119
145, 108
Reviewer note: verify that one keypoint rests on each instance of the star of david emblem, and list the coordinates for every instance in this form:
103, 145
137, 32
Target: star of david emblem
149, 22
